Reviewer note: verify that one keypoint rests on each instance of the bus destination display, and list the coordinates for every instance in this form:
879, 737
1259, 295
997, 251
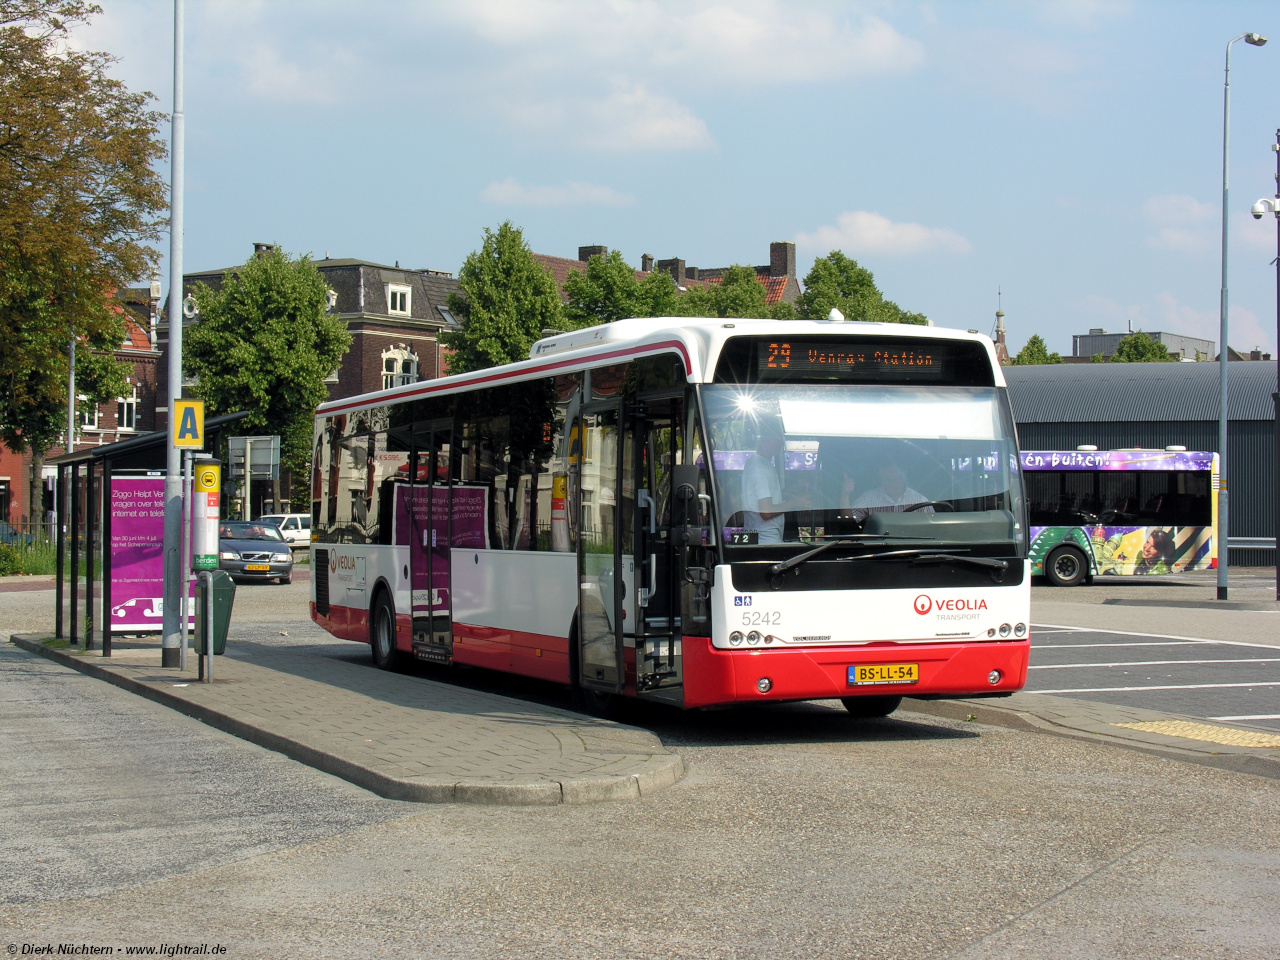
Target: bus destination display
897, 360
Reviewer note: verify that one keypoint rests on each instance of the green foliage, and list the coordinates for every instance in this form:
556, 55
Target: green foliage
606, 292
80, 198
1098, 358
36, 558
837, 281
738, 294
507, 300
1035, 353
1137, 347
265, 343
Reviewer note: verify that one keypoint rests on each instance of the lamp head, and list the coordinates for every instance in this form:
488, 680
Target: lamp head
1257, 39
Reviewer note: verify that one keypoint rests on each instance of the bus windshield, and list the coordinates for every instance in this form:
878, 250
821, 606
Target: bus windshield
796, 462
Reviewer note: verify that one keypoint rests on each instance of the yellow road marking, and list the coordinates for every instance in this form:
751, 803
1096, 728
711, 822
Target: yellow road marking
1206, 732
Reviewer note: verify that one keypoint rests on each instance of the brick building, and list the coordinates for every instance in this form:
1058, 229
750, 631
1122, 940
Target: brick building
119, 419
778, 275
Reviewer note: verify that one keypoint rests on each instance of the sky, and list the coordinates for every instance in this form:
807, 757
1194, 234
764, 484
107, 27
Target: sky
1067, 153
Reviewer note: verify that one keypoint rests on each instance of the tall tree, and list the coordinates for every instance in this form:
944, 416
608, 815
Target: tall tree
1137, 347
738, 294
80, 201
265, 343
1034, 353
507, 299
607, 291
838, 281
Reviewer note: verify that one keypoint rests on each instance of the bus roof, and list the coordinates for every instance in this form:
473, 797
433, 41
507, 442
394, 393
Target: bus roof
697, 340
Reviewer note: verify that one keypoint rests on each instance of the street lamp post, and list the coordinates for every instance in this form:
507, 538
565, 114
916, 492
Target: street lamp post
1259, 209
175, 578
1224, 527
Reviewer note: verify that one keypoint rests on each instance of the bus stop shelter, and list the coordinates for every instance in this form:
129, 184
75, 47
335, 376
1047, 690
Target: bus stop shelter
84, 518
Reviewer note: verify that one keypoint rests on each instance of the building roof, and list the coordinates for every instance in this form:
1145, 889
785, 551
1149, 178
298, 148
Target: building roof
774, 287
559, 268
1104, 392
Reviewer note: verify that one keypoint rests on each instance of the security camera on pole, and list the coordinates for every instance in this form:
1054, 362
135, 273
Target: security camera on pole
1259, 210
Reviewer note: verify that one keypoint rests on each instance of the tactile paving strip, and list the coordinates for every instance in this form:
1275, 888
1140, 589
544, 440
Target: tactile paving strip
1206, 732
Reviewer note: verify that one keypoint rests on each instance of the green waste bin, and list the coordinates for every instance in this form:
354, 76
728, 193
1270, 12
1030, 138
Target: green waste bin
224, 597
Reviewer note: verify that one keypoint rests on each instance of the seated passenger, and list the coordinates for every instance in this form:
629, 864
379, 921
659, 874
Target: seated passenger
763, 506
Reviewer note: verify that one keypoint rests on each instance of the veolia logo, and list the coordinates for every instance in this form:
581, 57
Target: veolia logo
925, 604
333, 562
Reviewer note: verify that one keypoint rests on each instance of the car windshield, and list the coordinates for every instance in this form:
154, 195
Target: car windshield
274, 521
241, 530
803, 463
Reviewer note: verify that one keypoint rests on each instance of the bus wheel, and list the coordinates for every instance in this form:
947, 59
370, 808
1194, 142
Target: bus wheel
871, 706
382, 633
600, 704
1065, 567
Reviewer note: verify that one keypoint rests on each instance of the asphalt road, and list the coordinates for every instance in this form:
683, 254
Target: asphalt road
1214, 679
799, 832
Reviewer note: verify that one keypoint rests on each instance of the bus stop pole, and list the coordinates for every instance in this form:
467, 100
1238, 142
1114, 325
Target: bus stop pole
185, 560
60, 510
207, 577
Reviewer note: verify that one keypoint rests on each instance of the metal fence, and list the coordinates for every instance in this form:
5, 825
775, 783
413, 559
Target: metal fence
30, 548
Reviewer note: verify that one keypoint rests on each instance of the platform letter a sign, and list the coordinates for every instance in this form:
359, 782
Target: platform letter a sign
188, 423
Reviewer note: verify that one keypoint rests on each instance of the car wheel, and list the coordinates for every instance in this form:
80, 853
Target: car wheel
871, 706
382, 633
286, 580
1066, 567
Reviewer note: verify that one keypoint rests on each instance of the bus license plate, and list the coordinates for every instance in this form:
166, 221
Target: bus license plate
884, 673
254, 567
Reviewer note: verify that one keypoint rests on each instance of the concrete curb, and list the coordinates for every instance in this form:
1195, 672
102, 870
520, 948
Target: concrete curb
1237, 760
657, 772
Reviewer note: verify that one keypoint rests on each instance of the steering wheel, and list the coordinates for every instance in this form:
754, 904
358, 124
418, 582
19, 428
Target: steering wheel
943, 504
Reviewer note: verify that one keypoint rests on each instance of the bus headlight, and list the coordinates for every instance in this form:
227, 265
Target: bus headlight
993, 677
753, 636
1004, 629
1020, 630
764, 684
736, 637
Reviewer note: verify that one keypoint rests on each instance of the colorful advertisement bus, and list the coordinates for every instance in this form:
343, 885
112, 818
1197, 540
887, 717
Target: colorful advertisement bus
696, 512
1120, 512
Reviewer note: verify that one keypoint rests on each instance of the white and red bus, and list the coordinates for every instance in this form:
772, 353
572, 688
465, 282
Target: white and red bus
699, 512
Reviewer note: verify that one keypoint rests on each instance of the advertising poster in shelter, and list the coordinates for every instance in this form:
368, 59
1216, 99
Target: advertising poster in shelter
470, 531
137, 554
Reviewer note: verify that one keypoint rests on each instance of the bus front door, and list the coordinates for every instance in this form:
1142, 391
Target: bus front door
605, 566
429, 543
657, 447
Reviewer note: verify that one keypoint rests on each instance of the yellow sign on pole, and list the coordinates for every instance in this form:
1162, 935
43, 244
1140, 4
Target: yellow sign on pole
187, 418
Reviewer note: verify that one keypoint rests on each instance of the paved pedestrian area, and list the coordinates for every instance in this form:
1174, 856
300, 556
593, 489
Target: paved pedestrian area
403, 737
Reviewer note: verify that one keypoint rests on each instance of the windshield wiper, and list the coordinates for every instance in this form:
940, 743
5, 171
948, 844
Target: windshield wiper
987, 563
861, 540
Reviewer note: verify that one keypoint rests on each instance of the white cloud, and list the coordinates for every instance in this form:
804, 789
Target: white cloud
1184, 223
1178, 209
317, 77
862, 231
764, 41
1083, 14
625, 120
572, 194
1115, 317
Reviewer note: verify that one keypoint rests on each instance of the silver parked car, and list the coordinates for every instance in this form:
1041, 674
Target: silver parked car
251, 550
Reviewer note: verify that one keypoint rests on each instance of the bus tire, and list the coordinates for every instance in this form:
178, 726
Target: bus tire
382, 632
599, 703
1066, 567
871, 706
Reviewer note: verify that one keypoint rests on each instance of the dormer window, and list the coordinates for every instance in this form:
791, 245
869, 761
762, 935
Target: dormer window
399, 299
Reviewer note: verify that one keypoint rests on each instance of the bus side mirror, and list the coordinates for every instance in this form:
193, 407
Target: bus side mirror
684, 481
